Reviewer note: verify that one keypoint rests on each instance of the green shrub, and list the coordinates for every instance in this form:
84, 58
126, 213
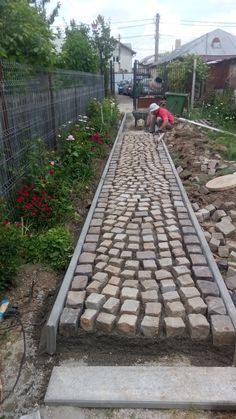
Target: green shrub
55, 248
221, 108
10, 253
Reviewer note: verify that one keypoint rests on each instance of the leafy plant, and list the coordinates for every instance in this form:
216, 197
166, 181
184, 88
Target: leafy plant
78, 52
179, 73
55, 248
221, 108
30, 42
10, 253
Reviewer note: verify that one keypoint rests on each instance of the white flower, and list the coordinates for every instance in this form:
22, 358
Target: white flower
59, 136
52, 163
70, 138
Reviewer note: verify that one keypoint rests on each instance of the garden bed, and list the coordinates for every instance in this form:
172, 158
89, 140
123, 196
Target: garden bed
51, 202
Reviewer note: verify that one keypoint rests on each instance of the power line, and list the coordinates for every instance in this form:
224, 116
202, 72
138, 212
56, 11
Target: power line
130, 21
136, 36
136, 26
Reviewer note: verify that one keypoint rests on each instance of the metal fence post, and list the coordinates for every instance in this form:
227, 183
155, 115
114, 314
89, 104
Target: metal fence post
5, 124
135, 84
51, 95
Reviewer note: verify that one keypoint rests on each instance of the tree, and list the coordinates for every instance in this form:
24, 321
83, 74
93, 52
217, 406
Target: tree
28, 42
180, 72
104, 43
40, 6
78, 52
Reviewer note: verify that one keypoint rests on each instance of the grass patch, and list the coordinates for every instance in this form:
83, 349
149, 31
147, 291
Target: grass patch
228, 142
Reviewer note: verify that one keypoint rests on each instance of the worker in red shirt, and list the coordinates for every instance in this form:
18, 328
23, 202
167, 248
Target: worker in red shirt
160, 117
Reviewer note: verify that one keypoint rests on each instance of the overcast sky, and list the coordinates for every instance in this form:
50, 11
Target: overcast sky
134, 19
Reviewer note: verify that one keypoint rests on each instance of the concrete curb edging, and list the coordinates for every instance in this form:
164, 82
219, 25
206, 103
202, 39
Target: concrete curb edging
175, 387
206, 250
53, 320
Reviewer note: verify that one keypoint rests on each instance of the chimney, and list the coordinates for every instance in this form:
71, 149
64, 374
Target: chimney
177, 44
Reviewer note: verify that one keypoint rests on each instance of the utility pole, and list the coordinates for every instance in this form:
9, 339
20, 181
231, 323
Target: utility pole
157, 37
119, 51
193, 83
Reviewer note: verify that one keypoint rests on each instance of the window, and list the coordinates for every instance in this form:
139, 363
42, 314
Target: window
216, 43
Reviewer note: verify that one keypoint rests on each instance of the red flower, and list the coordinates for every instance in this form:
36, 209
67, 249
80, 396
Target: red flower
5, 222
51, 171
28, 206
18, 224
20, 199
23, 193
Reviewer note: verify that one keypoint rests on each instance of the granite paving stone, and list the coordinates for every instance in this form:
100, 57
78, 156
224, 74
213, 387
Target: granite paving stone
127, 324
130, 307
87, 320
75, 299
175, 309
79, 283
95, 301
150, 326
68, 324
198, 326
215, 305
188, 292
142, 270
111, 291
128, 293
105, 322
112, 305
153, 309
207, 288
222, 330
174, 326
196, 305
94, 286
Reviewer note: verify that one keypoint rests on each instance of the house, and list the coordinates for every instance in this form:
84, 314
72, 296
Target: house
122, 58
221, 75
215, 45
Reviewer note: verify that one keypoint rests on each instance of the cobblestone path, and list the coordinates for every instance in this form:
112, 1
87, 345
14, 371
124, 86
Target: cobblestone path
142, 270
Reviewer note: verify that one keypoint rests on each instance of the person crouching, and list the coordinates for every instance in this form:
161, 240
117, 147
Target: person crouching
161, 117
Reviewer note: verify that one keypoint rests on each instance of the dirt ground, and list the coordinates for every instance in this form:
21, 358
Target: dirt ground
35, 291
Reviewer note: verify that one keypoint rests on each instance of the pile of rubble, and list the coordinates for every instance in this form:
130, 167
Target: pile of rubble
219, 223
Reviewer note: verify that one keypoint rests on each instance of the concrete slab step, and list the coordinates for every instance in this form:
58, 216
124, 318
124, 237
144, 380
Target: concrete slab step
34, 415
210, 388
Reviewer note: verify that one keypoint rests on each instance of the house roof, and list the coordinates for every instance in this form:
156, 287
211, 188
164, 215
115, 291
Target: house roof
214, 45
127, 46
